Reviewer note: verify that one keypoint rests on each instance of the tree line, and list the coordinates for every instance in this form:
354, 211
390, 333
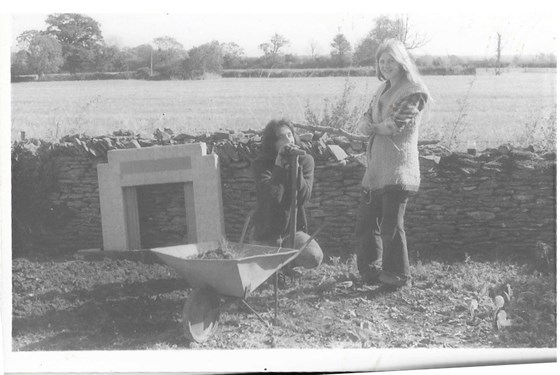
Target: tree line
73, 43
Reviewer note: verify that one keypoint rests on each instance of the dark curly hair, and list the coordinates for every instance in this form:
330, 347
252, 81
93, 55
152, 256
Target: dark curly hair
269, 137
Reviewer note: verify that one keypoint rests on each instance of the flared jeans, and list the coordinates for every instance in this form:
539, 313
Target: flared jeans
381, 235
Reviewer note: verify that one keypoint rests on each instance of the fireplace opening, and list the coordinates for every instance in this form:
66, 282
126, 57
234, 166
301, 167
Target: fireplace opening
162, 215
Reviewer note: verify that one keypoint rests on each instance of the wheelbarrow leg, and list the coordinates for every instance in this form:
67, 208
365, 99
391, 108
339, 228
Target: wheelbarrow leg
276, 298
254, 312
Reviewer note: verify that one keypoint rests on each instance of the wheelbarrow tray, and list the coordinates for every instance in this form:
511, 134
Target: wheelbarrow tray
250, 267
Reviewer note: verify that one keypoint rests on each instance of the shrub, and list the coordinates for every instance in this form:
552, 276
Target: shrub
90, 76
291, 73
541, 132
32, 180
142, 73
453, 131
340, 114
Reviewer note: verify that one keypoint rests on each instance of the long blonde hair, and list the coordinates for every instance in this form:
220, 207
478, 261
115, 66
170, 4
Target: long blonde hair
396, 49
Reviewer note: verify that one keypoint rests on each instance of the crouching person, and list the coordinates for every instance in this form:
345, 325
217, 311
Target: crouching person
271, 170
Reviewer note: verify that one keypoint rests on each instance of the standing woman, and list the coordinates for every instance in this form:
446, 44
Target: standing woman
393, 171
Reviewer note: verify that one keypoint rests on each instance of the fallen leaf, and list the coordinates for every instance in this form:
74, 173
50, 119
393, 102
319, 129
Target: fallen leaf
366, 325
345, 284
327, 284
502, 320
484, 290
473, 305
499, 302
353, 336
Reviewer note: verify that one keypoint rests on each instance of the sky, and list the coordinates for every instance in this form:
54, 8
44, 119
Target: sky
460, 30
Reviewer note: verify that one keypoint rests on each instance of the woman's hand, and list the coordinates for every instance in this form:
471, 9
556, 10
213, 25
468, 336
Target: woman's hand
365, 125
386, 127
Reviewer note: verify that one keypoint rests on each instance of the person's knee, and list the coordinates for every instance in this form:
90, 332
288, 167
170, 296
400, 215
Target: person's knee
311, 256
314, 255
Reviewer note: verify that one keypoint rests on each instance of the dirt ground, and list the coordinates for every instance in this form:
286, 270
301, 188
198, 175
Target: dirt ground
69, 304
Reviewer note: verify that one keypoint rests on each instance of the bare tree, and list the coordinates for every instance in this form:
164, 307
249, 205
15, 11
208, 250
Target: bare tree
398, 27
405, 34
278, 41
272, 50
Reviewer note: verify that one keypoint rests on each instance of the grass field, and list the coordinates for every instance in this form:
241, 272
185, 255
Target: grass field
488, 109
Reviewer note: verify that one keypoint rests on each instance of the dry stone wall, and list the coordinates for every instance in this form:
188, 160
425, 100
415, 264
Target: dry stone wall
498, 203
163, 221
74, 205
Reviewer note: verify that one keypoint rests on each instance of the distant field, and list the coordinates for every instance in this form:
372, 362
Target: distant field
494, 111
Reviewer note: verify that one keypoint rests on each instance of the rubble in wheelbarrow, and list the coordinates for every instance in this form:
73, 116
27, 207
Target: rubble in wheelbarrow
219, 253
224, 251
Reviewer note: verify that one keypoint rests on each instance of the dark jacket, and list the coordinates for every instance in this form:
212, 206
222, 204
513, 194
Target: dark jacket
273, 185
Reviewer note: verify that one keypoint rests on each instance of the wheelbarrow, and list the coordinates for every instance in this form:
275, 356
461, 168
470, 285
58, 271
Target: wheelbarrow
250, 266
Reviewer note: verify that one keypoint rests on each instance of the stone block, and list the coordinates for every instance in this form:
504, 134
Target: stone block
217, 136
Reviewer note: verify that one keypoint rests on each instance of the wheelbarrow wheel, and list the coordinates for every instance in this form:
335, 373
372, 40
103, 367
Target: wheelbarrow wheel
201, 313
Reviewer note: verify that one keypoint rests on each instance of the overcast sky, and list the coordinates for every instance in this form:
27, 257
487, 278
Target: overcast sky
459, 30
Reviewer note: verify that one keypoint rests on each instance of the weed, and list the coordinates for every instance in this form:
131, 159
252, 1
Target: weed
335, 261
420, 271
75, 121
540, 132
162, 346
340, 114
453, 132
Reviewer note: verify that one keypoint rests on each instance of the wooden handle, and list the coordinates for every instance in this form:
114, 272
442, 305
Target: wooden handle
293, 205
245, 227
